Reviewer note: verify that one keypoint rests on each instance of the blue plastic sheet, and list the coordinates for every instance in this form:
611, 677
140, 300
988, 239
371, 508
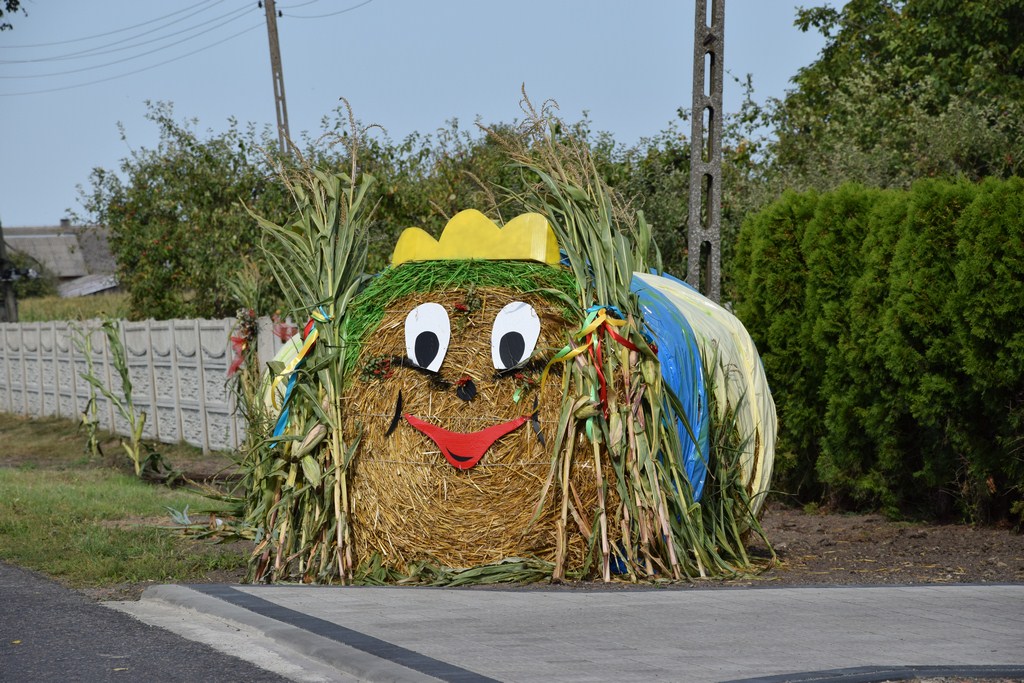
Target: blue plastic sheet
683, 373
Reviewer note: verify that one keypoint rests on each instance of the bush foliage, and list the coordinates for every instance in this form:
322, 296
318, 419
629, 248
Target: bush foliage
184, 240
889, 323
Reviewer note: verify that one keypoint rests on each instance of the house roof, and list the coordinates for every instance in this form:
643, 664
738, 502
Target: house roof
86, 285
65, 250
59, 254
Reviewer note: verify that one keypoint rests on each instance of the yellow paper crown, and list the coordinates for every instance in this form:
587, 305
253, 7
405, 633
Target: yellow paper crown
472, 235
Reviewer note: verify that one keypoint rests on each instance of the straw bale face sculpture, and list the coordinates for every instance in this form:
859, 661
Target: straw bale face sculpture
485, 409
455, 423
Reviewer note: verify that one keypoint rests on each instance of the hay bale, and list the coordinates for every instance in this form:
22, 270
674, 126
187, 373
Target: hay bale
408, 503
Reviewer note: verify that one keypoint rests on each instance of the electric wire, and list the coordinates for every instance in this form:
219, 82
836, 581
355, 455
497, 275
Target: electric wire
108, 33
136, 71
301, 4
127, 59
331, 14
92, 52
101, 50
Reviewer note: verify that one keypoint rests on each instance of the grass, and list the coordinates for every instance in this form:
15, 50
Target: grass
98, 527
46, 308
90, 523
58, 443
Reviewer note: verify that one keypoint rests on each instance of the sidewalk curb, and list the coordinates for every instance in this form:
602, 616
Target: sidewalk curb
330, 652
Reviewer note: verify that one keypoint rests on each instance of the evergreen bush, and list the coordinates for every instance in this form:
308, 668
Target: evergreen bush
771, 274
889, 326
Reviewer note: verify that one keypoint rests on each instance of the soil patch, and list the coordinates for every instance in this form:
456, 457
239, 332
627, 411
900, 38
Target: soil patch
813, 549
847, 549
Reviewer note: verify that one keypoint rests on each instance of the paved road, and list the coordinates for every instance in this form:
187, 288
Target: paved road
50, 633
765, 634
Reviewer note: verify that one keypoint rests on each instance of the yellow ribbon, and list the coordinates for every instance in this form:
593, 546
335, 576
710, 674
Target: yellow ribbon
593, 323
319, 316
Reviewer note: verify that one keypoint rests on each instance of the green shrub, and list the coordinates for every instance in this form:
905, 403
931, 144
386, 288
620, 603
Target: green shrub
863, 424
771, 282
43, 284
889, 323
989, 303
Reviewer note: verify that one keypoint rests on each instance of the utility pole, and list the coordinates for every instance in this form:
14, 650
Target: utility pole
275, 66
10, 303
704, 238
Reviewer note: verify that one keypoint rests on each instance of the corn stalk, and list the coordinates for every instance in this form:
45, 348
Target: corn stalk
89, 420
298, 494
630, 415
144, 459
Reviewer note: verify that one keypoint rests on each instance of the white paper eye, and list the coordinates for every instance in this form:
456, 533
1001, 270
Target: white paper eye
427, 334
514, 335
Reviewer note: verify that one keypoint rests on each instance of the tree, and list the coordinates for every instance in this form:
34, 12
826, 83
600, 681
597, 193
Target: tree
10, 7
178, 228
904, 89
180, 232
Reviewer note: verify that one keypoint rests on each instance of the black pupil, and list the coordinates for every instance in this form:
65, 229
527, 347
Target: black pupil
426, 348
511, 348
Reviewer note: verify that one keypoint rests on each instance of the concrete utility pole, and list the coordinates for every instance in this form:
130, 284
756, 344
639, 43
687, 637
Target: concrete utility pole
275, 66
704, 238
10, 303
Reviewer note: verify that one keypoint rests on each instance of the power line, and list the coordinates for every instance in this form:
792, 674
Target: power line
92, 52
332, 14
108, 33
132, 73
99, 50
301, 4
127, 59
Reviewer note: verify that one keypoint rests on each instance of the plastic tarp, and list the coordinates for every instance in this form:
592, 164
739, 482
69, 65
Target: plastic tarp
679, 356
738, 378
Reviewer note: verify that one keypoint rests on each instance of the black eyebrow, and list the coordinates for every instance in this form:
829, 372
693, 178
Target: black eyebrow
533, 365
434, 377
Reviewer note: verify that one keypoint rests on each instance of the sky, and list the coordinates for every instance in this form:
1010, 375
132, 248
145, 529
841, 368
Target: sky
71, 71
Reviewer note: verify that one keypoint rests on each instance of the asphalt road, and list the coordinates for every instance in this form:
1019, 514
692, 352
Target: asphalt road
50, 633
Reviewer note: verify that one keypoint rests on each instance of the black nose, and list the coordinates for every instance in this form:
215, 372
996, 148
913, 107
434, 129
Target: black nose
466, 389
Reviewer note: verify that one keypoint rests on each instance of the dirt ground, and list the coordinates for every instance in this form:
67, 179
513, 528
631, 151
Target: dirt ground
847, 549
821, 548
827, 549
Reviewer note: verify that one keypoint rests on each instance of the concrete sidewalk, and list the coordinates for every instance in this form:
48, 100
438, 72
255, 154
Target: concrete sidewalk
542, 634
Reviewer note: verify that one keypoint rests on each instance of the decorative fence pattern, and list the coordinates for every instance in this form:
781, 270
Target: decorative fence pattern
178, 370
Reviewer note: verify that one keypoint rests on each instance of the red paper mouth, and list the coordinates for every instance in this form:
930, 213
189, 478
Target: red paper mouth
463, 451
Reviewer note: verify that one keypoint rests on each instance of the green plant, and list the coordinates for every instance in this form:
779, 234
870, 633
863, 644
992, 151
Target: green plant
771, 301
98, 527
144, 458
46, 308
177, 225
318, 259
605, 242
890, 334
902, 90
988, 304
40, 283
89, 420
245, 376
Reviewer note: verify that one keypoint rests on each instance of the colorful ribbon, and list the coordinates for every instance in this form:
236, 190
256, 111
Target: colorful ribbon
291, 369
599, 319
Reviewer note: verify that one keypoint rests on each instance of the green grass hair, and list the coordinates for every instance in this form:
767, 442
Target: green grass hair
554, 283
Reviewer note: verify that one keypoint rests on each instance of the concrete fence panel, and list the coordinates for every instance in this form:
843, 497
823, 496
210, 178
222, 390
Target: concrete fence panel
177, 368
